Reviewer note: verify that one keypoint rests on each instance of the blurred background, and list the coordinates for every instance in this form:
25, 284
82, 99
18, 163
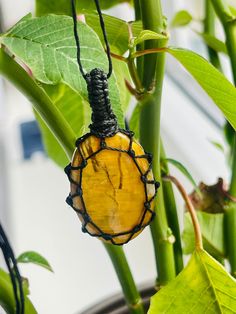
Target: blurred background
33, 189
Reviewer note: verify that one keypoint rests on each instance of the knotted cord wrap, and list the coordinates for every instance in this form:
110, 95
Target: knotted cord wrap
103, 118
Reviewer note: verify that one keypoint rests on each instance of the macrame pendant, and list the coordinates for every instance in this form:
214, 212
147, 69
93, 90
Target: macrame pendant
112, 184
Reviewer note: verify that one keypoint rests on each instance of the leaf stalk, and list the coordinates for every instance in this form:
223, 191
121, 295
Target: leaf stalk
196, 226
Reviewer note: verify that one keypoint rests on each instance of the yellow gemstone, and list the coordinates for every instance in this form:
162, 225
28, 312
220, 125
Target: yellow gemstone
113, 193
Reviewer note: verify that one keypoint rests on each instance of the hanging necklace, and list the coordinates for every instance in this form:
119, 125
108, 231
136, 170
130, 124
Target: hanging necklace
112, 185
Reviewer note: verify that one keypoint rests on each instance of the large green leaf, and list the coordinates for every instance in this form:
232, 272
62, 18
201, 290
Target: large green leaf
117, 29
222, 92
64, 6
74, 109
34, 258
7, 300
212, 227
47, 46
203, 286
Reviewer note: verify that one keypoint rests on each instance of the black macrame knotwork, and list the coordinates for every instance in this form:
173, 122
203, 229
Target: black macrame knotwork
104, 120
143, 177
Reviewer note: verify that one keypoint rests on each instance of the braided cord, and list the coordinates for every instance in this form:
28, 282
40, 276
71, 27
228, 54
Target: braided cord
74, 16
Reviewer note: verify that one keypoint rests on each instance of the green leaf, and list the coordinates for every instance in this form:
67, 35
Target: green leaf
148, 35
64, 6
233, 10
212, 227
34, 258
122, 73
55, 63
203, 286
185, 172
7, 300
134, 120
214, 43
117, 30
222, 92
47, 46
181, 18
74, 109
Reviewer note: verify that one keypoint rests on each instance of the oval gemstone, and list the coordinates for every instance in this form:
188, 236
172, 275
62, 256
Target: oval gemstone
108, 183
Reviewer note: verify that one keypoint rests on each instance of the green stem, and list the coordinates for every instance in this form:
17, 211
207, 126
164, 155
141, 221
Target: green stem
172, 216
121, 266
65, 135
139, 47
209, 28
153, 73
229, 23
40, 101
134, 75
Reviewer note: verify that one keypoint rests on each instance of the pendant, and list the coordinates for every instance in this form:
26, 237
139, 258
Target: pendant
112, 188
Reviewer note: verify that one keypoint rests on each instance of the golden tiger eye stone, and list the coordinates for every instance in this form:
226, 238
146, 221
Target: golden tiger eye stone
112, 190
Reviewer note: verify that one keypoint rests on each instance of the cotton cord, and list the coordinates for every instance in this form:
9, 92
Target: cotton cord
108, 51
13, 272
104, 121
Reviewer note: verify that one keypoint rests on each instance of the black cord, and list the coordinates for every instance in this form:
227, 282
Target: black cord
74, 16
13, 272
105, 37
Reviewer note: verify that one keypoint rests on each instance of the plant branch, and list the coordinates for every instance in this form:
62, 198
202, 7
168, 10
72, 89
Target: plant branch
121, 266
10, 69
196, 226
152, 74
229, 23
118, 57
172, 215
209, 28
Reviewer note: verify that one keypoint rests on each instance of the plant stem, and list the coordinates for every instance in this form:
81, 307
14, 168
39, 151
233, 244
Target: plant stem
65, 135
172, 216
229, 23
153, 73
196, 226
121, 266
139, 62
134, 75
40, 100
209, 28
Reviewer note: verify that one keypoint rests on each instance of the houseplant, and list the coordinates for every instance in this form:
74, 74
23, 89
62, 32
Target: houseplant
53, 72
